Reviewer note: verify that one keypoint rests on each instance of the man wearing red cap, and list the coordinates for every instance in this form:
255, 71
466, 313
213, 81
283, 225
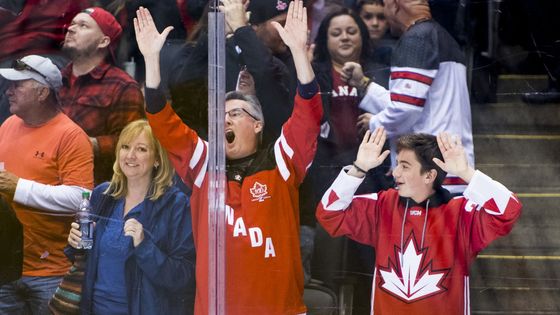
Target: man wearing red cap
97, 95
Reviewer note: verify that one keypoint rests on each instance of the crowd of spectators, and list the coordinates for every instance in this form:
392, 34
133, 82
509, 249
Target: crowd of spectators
308, 83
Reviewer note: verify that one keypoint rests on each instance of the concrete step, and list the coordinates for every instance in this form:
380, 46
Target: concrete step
511, 86
514, 271
522, 300
524, 178
535, 233
516, 149
516, 117
515, 285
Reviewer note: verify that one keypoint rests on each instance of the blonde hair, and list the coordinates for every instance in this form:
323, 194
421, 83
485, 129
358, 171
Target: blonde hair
162, 176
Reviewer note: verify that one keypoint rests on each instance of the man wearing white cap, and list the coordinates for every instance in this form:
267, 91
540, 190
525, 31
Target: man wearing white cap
48, 162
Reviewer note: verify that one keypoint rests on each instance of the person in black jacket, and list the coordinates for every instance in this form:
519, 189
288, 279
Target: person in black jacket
249, 56
185, 77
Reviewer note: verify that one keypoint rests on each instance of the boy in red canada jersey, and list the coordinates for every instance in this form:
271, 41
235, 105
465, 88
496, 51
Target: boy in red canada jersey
425, 241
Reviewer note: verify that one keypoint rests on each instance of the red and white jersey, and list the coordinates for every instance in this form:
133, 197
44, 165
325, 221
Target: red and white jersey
423, 251
263, 265
427, 93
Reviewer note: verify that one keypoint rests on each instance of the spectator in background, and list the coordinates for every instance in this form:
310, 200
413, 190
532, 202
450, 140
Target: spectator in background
264, 273
183, 15
319, 10
371, 12
342, 38
428, 87
96, 94
49, 162
263, 14
260, 74
425, 240
373, 15
184, 71
33, 27
143, 240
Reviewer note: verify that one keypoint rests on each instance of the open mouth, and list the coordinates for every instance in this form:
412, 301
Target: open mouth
230, 136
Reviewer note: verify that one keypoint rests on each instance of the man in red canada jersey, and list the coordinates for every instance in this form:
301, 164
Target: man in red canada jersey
263, 266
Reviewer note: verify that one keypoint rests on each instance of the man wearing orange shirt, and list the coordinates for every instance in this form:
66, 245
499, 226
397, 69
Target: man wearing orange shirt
48, 162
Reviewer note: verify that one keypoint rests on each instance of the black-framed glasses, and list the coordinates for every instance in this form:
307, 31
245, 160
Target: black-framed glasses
20, 65
238, 112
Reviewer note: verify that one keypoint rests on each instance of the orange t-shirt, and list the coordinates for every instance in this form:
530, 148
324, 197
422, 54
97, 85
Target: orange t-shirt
55, 153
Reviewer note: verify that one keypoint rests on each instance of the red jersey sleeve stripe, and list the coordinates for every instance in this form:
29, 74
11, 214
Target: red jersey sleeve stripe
454, 181
411, 100
412, 76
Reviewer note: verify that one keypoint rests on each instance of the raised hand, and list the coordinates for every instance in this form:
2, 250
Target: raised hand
294, 35
294, 32
454, 157
235, 13
149, 40
370, 153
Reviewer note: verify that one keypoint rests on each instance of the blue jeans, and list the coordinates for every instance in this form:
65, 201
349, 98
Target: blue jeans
28, 295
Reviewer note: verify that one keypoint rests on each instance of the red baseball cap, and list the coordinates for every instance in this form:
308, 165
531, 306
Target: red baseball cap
108, 25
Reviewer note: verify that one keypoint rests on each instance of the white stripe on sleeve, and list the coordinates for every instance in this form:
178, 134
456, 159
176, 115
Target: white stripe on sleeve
59, 198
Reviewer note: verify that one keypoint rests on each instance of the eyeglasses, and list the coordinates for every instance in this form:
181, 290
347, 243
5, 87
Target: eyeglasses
20, 65
238, 112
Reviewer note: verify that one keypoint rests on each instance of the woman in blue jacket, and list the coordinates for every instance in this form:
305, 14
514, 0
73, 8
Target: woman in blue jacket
143, 257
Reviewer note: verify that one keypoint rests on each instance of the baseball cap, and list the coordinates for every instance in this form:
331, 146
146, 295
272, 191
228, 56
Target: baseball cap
264, 10
34, 67
108, 25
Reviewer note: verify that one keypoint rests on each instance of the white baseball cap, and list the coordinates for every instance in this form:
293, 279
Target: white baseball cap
34, 67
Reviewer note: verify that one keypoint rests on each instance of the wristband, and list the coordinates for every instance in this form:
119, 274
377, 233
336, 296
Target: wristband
364, 83
358, 168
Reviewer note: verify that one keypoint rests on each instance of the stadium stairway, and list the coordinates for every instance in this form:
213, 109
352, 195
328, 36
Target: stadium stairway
519, 145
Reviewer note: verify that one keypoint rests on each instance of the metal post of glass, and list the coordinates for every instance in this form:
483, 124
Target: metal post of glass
216, 162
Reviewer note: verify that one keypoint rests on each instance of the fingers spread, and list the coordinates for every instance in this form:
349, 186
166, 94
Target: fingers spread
366, 137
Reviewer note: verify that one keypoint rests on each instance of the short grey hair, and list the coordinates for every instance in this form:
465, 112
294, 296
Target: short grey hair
255, 107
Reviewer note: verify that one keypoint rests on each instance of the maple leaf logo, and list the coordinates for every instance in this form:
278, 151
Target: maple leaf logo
259, 192
409, 280
280, 5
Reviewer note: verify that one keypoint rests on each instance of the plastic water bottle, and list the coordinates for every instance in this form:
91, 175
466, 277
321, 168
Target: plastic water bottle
85, 220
